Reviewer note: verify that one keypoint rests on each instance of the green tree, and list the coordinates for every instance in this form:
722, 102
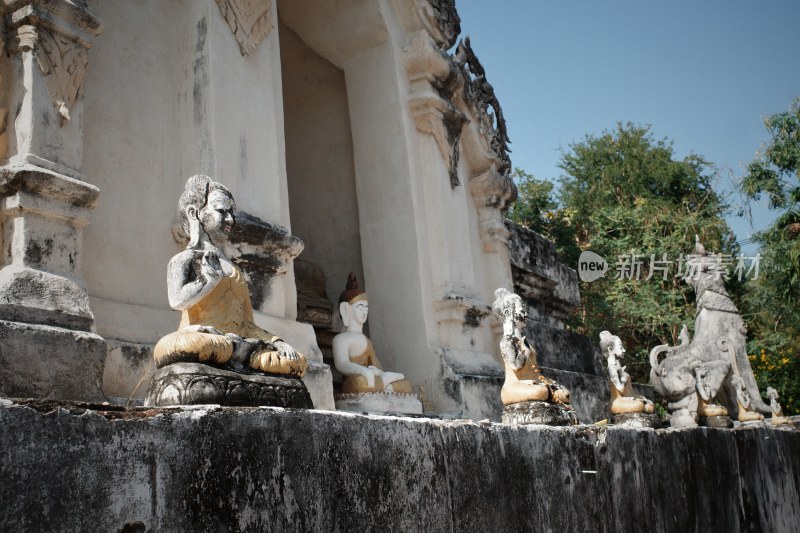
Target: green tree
625, 196
771, 301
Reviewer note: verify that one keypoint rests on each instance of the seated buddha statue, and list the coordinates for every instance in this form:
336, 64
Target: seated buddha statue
622, 399
353, 353
217, 324
524, 380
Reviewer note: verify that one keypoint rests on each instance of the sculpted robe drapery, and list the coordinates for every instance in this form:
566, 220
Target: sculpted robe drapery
226, 308
357, 383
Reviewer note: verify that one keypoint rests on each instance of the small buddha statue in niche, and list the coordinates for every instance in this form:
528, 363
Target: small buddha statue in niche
217, 324
524, 380
777, 418
622, 399
746, 414
353, 353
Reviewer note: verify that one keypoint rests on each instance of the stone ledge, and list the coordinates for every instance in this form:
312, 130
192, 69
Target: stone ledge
50, 362
258, 469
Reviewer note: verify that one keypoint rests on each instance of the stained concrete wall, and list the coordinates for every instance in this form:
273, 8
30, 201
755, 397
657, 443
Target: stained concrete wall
208, 469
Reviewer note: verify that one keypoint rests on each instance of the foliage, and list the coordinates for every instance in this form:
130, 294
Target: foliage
537, 209
780, 371
625, 195
771, 301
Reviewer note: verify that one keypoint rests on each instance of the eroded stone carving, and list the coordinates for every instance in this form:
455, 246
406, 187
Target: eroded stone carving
718, 347
529, 396
64, 64
217, 325
249, 20
60, 34
354, 356
479, 93
441, 21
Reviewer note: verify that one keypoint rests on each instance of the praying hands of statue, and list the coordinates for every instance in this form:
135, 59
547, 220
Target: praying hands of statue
191, 276
515, 351
210, 267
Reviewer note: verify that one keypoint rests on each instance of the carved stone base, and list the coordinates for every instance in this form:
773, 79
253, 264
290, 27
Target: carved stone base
195, 384
716, 421
388, 403
636, 420
532, 412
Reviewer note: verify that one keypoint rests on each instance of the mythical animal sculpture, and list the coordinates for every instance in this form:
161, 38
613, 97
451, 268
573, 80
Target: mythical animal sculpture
718, 346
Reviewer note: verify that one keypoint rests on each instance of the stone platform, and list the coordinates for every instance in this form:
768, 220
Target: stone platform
73, 468
196, 384
391, 403
636, 420
532, 412
720, 421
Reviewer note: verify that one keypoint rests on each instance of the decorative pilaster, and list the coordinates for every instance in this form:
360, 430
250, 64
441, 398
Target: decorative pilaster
45, 319
44, 204
491, 194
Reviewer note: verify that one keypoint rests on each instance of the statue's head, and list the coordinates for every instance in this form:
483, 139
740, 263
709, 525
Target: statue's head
509, 306
738, 382
700, 372
353, 304
611, 345
772, 394
704, 270
206, 205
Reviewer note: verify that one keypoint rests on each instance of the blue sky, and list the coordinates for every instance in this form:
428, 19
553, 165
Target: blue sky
703, 73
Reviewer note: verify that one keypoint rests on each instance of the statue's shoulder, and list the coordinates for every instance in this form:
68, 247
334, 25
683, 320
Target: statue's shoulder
185, 257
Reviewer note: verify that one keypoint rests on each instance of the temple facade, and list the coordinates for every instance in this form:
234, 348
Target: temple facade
357, 136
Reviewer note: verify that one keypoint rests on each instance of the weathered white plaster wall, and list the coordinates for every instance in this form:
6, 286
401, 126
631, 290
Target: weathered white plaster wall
169, 95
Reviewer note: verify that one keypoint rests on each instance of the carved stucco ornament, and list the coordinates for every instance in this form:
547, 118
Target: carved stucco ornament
59, 33
480, 96
249, 20
64, 64
441, 21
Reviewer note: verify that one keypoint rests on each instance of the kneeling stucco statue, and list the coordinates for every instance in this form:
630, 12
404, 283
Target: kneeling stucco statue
366, 385
217, 326
528, 396
745, 402
777, 412
625, 408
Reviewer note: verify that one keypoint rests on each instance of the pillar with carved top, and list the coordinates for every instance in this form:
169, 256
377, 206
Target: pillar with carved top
45, 319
